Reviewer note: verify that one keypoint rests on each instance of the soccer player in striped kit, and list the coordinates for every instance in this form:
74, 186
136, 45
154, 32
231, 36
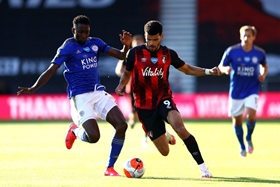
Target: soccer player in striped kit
148, 66
246, 65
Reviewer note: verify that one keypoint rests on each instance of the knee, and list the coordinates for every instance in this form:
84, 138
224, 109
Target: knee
164, 152
251, 119
121, 127
180, 130
93, 138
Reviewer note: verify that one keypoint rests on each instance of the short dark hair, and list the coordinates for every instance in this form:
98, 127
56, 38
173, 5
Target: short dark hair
81, 19
153, 27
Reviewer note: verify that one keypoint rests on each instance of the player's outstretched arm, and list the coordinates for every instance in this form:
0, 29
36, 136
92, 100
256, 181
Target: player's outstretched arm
198, 71
123, 82
126, 39
225, 69
43, 79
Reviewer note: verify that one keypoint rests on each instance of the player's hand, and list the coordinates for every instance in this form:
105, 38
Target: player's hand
25, 90
261, 78
126, 38
215, 71
118, 90
228, 70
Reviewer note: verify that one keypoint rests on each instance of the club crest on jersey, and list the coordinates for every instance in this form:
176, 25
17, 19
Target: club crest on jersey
163, 58
154, 60
82, 113
255, 60
247, 59
86, 49
94, 48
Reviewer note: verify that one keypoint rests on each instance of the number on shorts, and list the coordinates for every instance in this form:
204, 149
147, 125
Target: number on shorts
167, 103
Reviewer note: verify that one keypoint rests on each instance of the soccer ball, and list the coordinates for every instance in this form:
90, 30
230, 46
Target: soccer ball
134, 168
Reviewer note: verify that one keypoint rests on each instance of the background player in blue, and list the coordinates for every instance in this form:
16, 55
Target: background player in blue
246, 65
79, 55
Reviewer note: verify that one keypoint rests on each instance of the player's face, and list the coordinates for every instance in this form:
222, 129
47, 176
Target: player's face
247, 38
153, 41
81, 33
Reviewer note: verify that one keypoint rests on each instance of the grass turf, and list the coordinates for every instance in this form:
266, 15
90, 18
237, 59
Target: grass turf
34, 154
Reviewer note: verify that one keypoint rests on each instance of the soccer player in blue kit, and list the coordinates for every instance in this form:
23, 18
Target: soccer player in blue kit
246, 65
80, 55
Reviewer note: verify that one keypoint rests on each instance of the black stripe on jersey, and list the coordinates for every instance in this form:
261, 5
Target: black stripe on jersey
142, 92
154, 94
166, 88
154, 99
103, 49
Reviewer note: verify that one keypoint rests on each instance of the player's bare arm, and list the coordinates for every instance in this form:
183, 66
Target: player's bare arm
197, 71
263, 73
123, 82
224, 69
126, 39
119, 68
43, 79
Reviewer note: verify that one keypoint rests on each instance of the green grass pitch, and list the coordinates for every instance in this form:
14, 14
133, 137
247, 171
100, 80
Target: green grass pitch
34, 154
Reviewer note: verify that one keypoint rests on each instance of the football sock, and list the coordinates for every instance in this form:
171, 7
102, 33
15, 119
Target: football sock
80, 133
202, 167
239, 134
192, 146
250, 129
116, 147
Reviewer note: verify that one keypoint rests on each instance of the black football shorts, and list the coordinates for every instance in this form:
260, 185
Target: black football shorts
153, 120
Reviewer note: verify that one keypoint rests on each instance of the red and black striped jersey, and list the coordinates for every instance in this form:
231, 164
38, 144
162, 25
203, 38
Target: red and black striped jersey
150, 72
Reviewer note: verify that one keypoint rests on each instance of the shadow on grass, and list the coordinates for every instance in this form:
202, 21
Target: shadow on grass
222, 179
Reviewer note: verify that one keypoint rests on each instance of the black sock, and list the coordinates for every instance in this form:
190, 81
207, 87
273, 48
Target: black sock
192, 146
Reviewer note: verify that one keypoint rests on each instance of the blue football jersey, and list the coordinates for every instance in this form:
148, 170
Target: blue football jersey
245, 70
81, 64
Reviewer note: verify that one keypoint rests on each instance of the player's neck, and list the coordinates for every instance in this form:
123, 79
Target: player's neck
247, 48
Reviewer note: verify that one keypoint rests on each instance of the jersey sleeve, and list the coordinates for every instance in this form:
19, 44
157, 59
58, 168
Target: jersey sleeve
103, 46
130, 59
175, 60
62, 54
226, 59
263, 61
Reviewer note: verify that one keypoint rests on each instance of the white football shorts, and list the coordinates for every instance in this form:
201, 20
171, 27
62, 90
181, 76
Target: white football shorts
91, 105
236, 106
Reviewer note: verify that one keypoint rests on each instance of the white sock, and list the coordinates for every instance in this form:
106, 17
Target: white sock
202, 167
81, 134
168, 136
